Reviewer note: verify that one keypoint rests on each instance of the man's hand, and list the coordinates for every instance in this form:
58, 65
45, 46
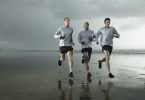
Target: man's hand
94, 39
116, 35
62, 37
73, 44
83, 42
97, 42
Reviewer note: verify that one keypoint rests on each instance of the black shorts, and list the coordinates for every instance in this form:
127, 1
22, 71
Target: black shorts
65, 49
89, 50
107, 48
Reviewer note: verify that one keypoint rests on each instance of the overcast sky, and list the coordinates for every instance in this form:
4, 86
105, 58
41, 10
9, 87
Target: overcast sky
30, 24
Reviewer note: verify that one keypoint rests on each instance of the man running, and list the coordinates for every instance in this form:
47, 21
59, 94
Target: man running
106, 34
64, 33
85, 38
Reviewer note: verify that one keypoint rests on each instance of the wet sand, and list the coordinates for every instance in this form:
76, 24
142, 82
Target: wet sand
36, 76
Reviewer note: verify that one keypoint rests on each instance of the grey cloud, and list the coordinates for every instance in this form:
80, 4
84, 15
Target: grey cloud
120, 8
131, 23
78, 9
25, 27
30, 24
92, 8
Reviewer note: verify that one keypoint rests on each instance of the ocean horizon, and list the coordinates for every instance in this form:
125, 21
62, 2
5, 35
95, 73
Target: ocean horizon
115, 51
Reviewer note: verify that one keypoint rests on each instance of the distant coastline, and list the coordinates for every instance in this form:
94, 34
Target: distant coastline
116, 51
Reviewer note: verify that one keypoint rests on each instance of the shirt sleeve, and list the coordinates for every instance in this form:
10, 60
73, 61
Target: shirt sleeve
72, 36
79, 37
115, 33
57, 33
97, 35
93, 36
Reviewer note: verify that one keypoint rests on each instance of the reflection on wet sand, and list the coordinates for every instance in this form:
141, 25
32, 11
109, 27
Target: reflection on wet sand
85, 93
62, 93
106, 90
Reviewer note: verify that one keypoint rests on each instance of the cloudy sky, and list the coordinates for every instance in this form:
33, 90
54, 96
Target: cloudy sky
30, 24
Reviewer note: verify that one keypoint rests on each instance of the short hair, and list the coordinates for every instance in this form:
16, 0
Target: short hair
66, 18
86, 23
106, 19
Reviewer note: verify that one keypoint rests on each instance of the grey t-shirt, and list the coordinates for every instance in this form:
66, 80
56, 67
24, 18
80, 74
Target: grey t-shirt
86, 37
106, 35
67, 33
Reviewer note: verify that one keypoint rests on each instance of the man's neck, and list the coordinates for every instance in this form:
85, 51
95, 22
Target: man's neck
107, 26
66, 26
87, 29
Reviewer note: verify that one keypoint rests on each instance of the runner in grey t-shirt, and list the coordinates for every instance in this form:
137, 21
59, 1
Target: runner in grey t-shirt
107, 34
85, 38
64, 33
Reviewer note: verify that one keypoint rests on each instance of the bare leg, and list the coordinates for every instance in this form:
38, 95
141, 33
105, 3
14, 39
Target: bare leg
85, 54
86, 64
61, 56
70, 60
107, 57
103, 60
100, 62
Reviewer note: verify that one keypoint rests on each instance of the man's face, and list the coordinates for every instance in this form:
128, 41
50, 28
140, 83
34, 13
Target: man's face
107, 23
67, 22
86, 26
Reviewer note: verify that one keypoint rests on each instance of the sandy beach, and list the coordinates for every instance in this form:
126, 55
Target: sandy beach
30, 75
